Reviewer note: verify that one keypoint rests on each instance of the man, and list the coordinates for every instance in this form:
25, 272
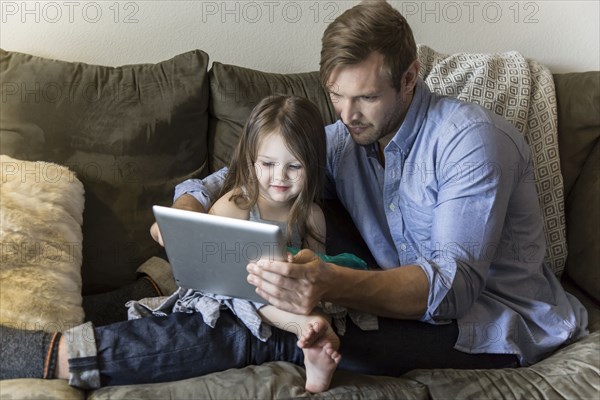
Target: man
441, 192
443, 189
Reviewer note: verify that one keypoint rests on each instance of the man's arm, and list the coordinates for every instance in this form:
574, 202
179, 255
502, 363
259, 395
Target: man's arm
188, 202
299, 286
399, 293
205, 191
194, 195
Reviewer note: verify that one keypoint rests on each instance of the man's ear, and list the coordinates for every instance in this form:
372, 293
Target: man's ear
409, 79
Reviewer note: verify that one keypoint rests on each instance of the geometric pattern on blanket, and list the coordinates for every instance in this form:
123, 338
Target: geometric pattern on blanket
522, 91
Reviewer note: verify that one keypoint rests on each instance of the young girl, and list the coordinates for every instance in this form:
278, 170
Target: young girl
275, 177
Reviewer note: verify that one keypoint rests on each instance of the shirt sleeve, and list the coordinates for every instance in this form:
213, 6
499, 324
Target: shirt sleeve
206, 190
477, 171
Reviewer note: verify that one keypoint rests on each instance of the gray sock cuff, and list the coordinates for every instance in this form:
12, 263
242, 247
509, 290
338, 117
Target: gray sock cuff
27, 354
83, 357
160, 272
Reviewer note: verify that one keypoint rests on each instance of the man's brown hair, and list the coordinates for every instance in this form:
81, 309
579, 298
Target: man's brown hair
373, 25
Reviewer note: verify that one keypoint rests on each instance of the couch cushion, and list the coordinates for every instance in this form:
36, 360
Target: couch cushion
578, 96
235, 91
40, 239
578, 101
273, 380
131, 133
47, 389
592, 306
571, 373
583, 226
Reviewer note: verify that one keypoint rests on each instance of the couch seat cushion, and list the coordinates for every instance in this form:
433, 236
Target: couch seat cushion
570, 373
274, 380
47, 389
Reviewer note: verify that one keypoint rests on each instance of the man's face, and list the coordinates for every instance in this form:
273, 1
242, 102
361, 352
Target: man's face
366, 102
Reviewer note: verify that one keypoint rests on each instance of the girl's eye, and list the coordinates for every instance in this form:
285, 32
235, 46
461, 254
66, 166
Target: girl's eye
266, 164
295, 166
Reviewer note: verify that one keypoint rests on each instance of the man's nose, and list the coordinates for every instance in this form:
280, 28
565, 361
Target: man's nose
348, 111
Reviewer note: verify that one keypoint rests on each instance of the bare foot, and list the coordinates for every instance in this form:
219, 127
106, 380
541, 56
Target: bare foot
319, 344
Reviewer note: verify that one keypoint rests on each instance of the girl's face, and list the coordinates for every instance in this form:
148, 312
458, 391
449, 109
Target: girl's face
280, 175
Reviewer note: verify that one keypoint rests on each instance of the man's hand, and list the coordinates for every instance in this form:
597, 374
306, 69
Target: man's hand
185, 202
296, 286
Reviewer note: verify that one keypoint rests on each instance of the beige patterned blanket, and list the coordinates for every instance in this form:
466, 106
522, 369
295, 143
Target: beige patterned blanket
522, 91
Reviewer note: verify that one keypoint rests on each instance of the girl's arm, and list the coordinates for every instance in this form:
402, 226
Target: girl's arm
316, 224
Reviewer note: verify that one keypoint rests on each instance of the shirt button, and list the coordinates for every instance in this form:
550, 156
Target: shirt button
392, 206
402, 247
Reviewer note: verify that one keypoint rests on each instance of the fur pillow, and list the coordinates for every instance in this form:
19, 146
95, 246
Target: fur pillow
41, 213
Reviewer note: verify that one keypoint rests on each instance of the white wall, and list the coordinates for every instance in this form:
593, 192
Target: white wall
284, 36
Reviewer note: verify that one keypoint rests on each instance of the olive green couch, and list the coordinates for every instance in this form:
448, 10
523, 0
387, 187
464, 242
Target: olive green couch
132, 133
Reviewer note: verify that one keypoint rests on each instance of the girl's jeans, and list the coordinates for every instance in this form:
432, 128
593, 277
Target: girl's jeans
180, 346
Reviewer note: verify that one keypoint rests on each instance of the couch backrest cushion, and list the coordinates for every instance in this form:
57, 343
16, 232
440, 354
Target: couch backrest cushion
578, 100
130, 133
235, 91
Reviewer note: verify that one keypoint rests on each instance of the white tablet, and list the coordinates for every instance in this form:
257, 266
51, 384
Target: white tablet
210, 253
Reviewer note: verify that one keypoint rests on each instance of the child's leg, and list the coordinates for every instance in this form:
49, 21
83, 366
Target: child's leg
317, 340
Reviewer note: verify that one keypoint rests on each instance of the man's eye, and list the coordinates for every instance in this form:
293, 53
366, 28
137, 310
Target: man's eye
369, 98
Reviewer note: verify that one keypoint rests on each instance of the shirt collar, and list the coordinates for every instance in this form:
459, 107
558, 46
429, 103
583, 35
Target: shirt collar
406, 135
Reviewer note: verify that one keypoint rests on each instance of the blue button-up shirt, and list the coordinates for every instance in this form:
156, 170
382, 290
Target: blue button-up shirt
456, 197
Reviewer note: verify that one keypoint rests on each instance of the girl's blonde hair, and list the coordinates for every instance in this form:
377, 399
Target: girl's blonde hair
300, 124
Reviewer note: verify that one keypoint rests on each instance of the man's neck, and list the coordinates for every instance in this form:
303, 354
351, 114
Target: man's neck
383, 142
404, 106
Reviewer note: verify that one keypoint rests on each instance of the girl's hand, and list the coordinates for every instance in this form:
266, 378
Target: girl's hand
296, 286
184, 202
155, 233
